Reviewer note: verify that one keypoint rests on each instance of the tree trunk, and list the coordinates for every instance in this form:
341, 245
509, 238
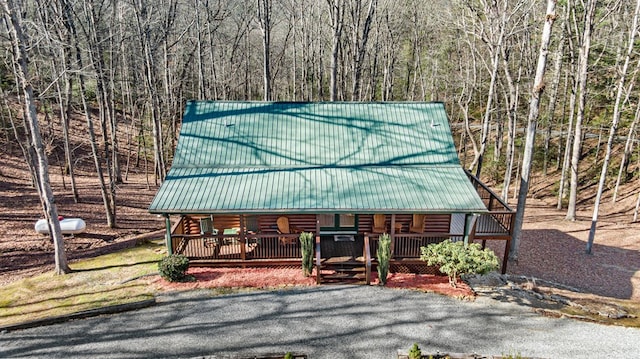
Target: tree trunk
562, 189
512, 111
635, 211
144, 33
18, 40
553, 95
264, 18
538, 87
359, 44
486, 121
614, 126
624, 163
336, 10
583, 62
69, 24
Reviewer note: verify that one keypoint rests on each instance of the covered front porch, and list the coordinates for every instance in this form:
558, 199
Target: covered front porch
249, 240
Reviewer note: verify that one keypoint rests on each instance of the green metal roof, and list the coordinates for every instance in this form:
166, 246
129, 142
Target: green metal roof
261, 157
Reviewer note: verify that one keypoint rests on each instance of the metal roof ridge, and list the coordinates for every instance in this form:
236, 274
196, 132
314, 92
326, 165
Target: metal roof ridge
316, 102
383, 165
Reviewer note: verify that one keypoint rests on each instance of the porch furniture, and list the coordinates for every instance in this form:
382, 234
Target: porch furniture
206, 226
285, 228
417, 224
379, 223
230, 235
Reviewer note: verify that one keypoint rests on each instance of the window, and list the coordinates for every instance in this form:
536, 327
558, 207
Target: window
338, 222
327, 220
347, 220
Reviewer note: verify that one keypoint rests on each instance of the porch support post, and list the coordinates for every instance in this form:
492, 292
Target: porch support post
393, 233
318, 255
167, 222
243, 239
470, 220
367, 259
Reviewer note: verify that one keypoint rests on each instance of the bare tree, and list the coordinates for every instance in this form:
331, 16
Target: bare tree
614, 124
69, 23
582, 75
572, 106
553, 93
336, 11
626, 155
534, 105
14, 24
264, 19
512, 98
359, 38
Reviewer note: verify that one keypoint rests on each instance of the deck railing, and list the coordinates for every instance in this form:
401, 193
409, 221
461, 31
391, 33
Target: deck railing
499, 211
407, 245
234, 247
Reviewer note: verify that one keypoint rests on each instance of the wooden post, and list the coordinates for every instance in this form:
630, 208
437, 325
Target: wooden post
393, 234
318, 255
367, 259
243, 240
167, 222
470, 221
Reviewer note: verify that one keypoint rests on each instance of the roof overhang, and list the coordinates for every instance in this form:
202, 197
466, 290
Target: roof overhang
366, 189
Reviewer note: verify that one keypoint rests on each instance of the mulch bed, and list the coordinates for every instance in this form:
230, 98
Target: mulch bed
269, 278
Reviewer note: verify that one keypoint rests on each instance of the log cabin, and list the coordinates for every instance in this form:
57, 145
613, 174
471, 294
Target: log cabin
248, 177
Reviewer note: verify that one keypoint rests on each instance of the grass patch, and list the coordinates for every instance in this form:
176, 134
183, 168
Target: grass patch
629, 306
116, 278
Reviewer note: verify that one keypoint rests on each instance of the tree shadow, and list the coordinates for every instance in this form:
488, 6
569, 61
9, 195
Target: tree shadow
556, 256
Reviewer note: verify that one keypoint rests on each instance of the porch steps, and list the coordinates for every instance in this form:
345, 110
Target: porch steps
343, 271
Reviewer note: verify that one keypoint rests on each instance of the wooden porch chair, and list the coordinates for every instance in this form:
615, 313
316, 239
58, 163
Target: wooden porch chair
206, 226
417, 224
379, 223
285, 228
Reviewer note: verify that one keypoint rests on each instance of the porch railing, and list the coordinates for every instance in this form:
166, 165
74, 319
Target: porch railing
234, 247
499, 221
407, 245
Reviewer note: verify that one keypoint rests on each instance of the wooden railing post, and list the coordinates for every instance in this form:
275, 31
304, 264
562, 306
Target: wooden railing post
243, 239
393, 234
318, 260
367, 259
167, 222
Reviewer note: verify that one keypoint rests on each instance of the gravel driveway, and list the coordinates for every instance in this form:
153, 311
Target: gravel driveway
322, 322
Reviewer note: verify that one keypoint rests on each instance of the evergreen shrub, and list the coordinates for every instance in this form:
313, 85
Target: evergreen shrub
455, 259
174, 267
383, 254
306, 247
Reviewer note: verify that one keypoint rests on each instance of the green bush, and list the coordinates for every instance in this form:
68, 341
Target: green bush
455, 259
383, 254
415, 352
306, 247
173, 267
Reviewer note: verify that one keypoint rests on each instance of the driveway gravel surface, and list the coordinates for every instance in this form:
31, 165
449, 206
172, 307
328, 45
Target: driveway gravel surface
322, 322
